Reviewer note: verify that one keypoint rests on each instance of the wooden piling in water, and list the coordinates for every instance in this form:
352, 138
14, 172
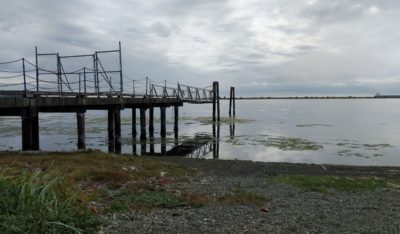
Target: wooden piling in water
117, 130
151, 121
218, 106
232, 102
80, 120
215, 102
176, 118
142, 124
134, 131
111, 130
163, 122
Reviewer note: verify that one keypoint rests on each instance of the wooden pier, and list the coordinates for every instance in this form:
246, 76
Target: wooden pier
72, 94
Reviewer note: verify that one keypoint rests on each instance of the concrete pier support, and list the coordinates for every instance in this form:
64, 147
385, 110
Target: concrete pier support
143, 124
30, 129
163, 130
80, 120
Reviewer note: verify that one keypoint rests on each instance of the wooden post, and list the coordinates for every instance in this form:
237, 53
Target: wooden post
142, 124
151, 121
117, 130
163, 122
214, 101
233, 102
230, 102
80, 119
111, 131
134, 132
176, 118
218, 106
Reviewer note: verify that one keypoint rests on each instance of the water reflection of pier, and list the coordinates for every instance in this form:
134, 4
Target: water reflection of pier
198, 146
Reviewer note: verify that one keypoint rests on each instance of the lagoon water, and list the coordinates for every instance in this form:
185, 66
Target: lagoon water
350, 132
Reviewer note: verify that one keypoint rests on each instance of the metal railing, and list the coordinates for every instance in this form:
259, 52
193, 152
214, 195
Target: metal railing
23, 77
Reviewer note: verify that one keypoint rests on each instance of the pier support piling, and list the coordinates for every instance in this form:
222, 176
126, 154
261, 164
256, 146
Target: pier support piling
142, 124
232, 102
80, 119
134, 132
30, 129
117, 126
215, 101
111, 131
163, 122
176, 118
151, 121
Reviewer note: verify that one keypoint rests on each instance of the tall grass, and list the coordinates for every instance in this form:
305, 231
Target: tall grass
30, 203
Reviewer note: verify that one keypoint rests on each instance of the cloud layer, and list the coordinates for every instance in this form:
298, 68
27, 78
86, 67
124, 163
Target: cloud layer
272, 47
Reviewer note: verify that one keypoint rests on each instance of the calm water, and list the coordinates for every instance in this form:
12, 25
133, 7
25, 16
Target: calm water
352, 132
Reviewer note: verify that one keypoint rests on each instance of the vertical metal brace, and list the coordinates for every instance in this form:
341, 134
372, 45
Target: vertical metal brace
79, 83
120, 68
23, 70
37, 69
84, 79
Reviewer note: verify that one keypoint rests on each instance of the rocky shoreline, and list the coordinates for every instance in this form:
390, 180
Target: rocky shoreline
286, 208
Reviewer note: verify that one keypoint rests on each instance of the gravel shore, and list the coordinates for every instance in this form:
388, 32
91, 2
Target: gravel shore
286, 209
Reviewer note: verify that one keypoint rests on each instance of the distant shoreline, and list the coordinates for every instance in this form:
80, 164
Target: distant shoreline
317, 97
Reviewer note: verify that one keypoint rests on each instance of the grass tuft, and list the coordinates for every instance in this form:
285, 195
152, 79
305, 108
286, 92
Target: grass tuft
30, 204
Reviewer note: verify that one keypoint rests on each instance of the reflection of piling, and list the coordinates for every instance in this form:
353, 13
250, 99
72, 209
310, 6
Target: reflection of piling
215, 145
143, 147
80, 119
163, 146
134, 148
142, 124
176, 138
232, 102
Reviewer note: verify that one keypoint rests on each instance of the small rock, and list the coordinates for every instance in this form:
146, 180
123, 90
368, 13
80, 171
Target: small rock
163, 181
264, 209
132, 168
163, 173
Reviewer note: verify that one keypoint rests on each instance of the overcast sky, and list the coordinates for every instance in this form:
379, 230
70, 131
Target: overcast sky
262, 47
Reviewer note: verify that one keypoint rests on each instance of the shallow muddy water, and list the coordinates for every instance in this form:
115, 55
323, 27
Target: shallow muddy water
351, 132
